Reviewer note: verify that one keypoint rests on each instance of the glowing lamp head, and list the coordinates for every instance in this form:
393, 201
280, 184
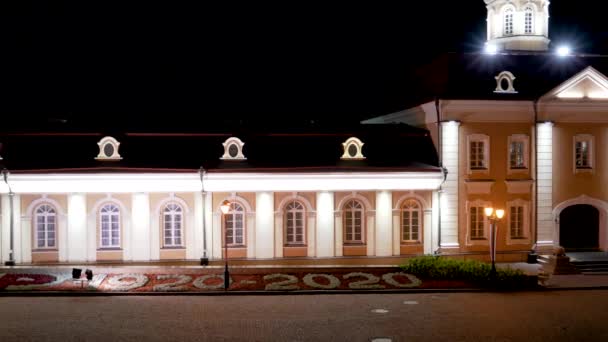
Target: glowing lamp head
488, 211
563, 51
225, 207
500, 213
491, 49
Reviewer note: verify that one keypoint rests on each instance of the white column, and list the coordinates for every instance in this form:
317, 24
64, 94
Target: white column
198, 234
278, 234
17, 233
62, 237
338, 234
384, 224
77, 228
208, 219
311, 234
325, 224
251, 236
155, 227
428, 228
544, 183
264, 225
140, 227
435, 223
449, 197
26, 239
190, 235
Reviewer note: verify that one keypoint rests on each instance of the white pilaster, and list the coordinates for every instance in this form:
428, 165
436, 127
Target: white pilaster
435, 223
155, 228
325, 224
62, 237
217, 232
17, 233
544, 183
190, 235
449, 197
311, 234
264, 225
251, 235
278, 234
208, 219
396, 243
78, 244
427, 229
140, 227
198, 236
26, 239
338, 234
384, 224
2, 215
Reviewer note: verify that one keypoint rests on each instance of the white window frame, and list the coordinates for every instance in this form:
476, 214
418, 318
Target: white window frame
486, 223
176, 211
351, 211
110, 245
505, 76
236, 209
525, 140
590, 139
291, 216
46, 215
525, 237
411, 210
486, 153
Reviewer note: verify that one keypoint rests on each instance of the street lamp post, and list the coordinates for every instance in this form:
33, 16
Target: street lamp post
494, 216
225, 208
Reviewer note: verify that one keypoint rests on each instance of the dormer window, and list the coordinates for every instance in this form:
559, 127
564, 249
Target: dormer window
504, 83
233, 149
353, 149
108, 149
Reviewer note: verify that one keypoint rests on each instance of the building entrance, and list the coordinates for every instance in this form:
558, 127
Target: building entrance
579, 228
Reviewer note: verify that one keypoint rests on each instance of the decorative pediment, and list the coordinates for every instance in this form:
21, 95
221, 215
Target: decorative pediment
588, 84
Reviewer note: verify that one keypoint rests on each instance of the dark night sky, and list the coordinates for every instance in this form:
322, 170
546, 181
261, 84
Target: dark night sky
148, 61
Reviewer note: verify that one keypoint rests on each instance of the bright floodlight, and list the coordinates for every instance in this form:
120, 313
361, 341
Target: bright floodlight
488, 211
563, 51
491, 49
225, 207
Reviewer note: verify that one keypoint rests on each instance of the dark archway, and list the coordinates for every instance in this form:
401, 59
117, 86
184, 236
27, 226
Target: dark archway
579, 227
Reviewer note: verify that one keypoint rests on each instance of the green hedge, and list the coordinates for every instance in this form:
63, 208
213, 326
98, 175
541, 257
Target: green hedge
436, 267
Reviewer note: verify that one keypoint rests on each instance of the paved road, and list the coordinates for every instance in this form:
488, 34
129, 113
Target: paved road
534, 316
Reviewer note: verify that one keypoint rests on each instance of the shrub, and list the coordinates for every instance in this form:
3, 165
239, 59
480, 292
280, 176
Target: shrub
436, 267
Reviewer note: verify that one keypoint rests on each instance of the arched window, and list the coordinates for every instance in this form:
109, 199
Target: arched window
294, 223
529, 20
508, 21
234, 225
353, 222
110, 226
173, 222
45, 218
410, 220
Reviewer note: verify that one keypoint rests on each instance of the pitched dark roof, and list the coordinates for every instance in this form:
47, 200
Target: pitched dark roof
470, 76
268, 149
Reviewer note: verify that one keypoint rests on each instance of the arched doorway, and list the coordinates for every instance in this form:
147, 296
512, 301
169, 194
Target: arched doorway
579, 227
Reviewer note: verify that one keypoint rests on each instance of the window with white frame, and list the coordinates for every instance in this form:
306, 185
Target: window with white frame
294, 223
508, 21
518, 221
529, 20
478, 152
477, 223
234, 225
45, 218
173, 222
518, 151
411, 214
110, 226
353, 222
583, 152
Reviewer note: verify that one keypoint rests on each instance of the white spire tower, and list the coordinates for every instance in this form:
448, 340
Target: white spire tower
518, 25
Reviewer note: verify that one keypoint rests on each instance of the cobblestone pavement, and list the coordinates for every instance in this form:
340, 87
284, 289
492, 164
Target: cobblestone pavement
523, 316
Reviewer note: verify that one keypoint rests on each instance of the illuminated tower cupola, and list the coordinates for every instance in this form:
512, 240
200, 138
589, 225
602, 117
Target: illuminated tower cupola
518, 25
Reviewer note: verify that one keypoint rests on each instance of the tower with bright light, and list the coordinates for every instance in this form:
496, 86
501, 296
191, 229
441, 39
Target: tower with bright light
518, 25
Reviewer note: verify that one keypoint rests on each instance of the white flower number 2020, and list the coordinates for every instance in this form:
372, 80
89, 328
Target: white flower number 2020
309, 280
290, 282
